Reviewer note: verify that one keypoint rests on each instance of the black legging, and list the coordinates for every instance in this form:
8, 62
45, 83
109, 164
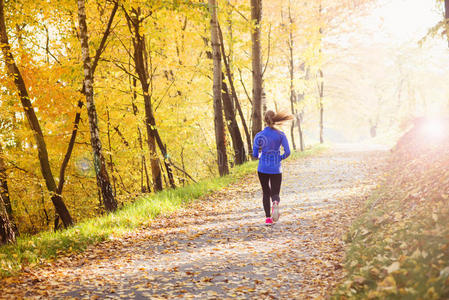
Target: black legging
271, 186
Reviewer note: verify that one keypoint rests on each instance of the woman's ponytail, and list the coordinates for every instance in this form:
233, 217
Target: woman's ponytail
272, 119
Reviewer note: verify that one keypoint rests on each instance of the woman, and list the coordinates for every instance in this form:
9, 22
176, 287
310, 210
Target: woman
269, 170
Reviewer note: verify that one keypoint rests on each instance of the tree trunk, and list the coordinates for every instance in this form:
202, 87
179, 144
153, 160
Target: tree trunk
14, 73
292, 134
321, 82
144, 170
111, 162
149, 124
222, 157
167, 162
77, 120
234, 93
140, 62
233, 127
264, 101
298, 124
4, 192
7, 234
299, 114
256, 17
292, 92
292, 73
101, 172
321, 91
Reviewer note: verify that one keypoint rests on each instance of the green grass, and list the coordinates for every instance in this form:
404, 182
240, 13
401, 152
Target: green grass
30, 250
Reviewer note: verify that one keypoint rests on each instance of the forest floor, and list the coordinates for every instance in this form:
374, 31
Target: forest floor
219, 246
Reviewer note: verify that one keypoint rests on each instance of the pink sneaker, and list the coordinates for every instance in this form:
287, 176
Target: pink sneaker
268, 221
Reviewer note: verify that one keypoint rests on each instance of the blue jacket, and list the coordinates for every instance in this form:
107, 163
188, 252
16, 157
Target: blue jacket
269, 141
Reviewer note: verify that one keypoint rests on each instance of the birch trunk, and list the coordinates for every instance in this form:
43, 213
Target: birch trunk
321, 90
77, 120
101, 172
321, 82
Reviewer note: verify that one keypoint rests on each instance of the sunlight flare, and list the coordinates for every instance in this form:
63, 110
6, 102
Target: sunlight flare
435, 129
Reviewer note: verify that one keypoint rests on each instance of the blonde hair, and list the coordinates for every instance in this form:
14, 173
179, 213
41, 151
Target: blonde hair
272, 119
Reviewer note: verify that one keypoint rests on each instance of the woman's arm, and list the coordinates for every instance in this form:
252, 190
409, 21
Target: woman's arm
256, 146
284, 143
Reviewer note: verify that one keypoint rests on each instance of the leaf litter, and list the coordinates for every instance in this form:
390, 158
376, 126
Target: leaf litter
219, 248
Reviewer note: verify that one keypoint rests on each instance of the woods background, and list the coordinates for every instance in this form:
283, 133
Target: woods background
140, 76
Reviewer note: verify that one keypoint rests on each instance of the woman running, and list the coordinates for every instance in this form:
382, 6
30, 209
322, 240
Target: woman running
269, 141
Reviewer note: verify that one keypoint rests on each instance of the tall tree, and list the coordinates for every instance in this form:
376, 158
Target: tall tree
227, 64
222, 157
14, 73
229, 108
320, 79
77, 120
101, 172
291, 68
256, 18
141, 67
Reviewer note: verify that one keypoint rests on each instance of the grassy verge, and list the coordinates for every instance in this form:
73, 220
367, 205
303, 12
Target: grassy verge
30, 250
399, 248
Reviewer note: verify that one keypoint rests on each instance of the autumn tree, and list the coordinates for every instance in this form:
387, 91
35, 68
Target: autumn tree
99, 161
222, 158
256, 18
228, 64
33, 121
294, 101
140, 57
231, 105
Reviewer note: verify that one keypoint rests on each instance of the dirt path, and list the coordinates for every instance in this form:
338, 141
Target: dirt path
220, 248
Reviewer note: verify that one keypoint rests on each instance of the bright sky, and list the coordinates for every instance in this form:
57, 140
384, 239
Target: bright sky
392, 22
406, 19
400, 21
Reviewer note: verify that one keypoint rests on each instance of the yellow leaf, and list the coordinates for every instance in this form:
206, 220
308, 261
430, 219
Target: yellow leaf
388, 284
393, 267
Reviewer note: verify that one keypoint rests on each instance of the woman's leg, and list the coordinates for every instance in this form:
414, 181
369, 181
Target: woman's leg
264, 181
275, 184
